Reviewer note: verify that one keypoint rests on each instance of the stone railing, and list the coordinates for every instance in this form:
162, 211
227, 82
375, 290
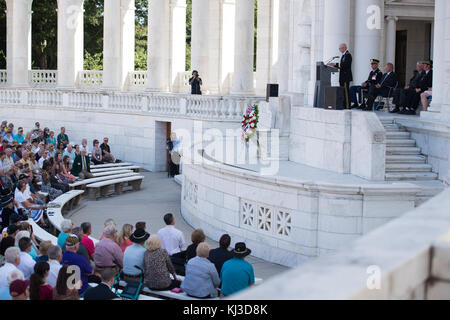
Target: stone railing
43, 78
3, 78
90, 79
137, 80
228, 108
407, 258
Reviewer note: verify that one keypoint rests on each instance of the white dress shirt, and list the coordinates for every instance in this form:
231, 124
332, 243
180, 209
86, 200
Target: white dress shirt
55, 266
26, 265
172, 240
5, 271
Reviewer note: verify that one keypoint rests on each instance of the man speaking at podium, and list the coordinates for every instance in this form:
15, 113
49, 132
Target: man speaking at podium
345, 68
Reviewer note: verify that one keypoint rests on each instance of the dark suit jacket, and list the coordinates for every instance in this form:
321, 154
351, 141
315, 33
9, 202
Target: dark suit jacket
77, 165
100, 292
345, 67
389, 81
426, 81
219, 256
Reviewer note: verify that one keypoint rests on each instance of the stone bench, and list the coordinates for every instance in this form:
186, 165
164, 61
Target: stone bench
42, 235
110, 173
100, 189
81, 184
134, 168
111, 165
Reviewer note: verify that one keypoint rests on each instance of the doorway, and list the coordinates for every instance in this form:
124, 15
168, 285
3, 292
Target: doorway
401, 56
162, 134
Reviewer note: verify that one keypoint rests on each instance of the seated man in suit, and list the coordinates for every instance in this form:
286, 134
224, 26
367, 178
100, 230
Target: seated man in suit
385, 87
81, 166
401, 93
103, 290
374, 78
413, 95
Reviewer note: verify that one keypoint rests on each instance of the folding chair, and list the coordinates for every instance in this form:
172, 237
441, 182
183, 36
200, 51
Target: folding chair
384, 101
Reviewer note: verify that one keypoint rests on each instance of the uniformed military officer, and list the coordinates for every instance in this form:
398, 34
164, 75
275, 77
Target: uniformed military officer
374, 78
345, 75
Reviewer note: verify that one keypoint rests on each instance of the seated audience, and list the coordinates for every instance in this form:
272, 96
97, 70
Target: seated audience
43, 251
86, 228
237, 274
124, 238
51, 139
5, 294
39, 288
374, 78
12, 260
19, 290
103, 290
37, 211
61, 290
82, 250
107, 252
106, 152
55, 256
81, 166
66, 231
26, 261
71, 258
221, 255
158, 267
134, 255
107, 223
202, 279
173, 242
69, 152
197, 237
97, 153
62, 137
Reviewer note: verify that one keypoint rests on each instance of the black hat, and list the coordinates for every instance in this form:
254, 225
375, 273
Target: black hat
372, 61
6, 196
241, 250
139, 235
23, 176
12, 228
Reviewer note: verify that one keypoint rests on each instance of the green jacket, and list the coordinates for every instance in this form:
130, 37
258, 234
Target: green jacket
77, 166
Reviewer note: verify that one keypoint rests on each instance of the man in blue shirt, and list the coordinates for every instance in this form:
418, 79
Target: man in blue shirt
19, 137
237, 274
134, 255
71, 258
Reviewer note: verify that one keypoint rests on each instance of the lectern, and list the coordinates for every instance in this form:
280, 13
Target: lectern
323, 80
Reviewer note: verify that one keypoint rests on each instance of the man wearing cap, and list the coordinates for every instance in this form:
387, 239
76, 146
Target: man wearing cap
134, 255
72, 258
413, 95
237, 274
19, 137
19, 290
374, 78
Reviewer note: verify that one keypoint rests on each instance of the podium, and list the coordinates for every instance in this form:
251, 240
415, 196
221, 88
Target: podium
323, 80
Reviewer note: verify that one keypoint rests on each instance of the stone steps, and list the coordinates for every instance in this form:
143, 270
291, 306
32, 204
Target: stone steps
402, 150
408, 167
411, 176
400, 143
398, 135
406, 159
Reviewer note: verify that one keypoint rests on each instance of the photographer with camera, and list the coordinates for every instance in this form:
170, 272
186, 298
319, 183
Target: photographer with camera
195, 83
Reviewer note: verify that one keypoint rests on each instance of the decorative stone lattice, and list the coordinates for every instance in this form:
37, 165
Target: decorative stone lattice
265, 219
191, 192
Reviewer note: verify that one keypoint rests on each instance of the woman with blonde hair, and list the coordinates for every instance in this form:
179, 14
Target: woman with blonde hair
158, 267
108, 222
124, 238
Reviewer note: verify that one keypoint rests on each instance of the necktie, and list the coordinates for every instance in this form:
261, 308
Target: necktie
83, 160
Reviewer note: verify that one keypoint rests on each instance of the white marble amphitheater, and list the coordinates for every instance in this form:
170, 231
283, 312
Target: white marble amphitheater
356, 201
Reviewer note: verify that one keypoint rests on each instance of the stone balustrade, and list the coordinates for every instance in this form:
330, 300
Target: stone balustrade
90, 79
222, 108
43, 78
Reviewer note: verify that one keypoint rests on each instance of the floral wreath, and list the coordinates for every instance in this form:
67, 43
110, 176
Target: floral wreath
250, 122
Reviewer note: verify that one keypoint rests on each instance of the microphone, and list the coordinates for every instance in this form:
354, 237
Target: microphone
332, 59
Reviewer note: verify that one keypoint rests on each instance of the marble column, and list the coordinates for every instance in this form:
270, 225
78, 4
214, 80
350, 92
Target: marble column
70, 42
177, 30
369, 24
18, 51
336, 26
227, 32
284, 41
200, 37
158, 46
118, 43
391, 37
267, 44
244, 48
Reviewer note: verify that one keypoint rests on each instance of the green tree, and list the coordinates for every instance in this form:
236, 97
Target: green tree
93, 34
141, 35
